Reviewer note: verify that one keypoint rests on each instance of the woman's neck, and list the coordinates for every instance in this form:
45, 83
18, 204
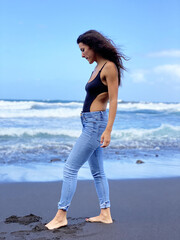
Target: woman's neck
100, 60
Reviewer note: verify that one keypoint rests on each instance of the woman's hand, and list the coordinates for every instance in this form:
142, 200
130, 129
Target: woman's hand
105, 138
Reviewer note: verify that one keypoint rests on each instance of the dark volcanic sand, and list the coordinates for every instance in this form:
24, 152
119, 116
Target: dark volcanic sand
144, 209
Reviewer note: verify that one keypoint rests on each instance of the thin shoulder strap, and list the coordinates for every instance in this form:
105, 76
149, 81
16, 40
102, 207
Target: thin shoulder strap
102, 67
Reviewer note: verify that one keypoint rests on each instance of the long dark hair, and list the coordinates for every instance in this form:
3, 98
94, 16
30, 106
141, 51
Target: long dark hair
105, 47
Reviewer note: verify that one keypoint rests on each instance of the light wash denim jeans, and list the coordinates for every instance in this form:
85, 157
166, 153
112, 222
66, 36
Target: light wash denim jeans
87, 148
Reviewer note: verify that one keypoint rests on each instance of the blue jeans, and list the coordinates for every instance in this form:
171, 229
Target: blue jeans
87, 148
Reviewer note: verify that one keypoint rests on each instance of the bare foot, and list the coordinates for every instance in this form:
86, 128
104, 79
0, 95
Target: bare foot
104, 217
99, 219
58, 221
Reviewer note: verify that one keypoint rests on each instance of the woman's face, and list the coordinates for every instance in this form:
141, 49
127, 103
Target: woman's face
87, 52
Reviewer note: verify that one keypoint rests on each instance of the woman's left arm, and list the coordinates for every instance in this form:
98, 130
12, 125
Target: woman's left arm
111, 75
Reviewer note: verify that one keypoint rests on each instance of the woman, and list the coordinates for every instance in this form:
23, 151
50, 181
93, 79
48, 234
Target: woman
96, 133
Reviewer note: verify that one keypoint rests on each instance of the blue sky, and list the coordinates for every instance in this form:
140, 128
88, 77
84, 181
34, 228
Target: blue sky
39, 57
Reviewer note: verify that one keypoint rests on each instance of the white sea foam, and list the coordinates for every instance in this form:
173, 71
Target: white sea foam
46, 113
17, 132
127, 106
132, 106
25, 105
165, 130
16, 105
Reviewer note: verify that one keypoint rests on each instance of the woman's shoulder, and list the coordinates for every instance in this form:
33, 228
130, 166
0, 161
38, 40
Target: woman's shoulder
109, 72
110, 67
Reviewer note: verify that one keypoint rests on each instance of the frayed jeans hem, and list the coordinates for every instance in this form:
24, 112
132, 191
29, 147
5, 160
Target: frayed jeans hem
105, 205
65, 208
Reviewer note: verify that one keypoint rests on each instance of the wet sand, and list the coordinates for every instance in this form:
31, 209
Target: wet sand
142, 209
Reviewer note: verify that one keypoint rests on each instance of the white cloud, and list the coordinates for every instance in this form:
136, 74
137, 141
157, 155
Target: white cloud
138, 75
170, 69
166, 53
157, 74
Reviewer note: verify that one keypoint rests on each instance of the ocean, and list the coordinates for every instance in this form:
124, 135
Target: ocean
36, 138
